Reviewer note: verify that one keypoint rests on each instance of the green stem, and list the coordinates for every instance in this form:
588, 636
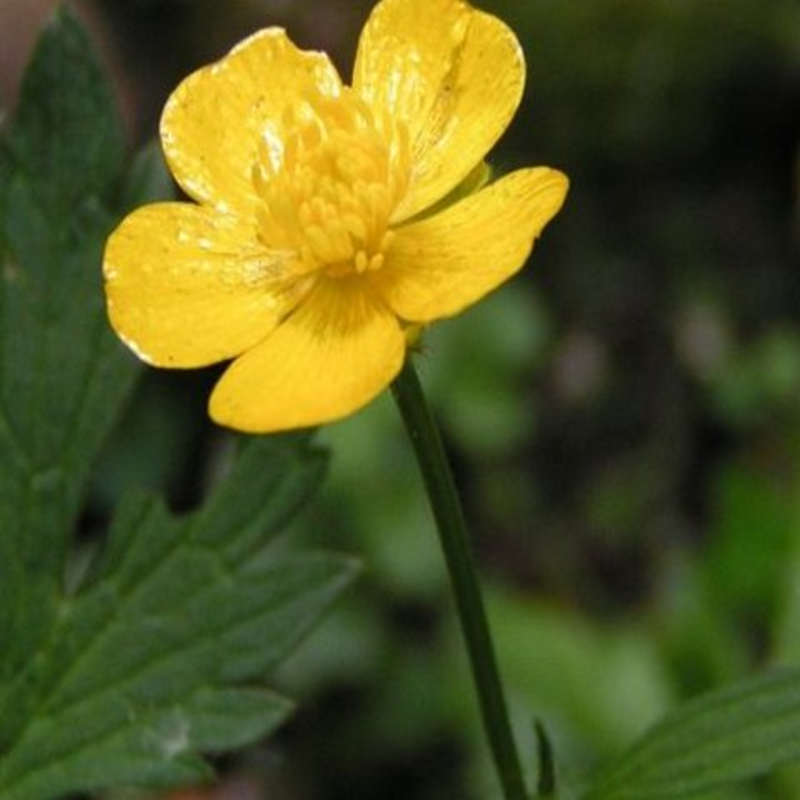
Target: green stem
453, 536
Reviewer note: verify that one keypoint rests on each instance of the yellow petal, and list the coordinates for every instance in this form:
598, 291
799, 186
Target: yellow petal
187, 287
454, 75
441, 264
339, 349
215, 121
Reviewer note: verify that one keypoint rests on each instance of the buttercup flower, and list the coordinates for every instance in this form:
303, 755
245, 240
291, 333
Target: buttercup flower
327, 219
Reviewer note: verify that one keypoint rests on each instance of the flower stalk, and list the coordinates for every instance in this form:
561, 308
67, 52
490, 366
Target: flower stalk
451, 525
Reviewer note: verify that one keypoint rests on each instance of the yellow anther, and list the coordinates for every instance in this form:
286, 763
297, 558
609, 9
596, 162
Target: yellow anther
330, 186
362, 262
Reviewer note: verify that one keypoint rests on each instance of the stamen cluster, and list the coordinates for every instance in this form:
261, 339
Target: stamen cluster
329, 187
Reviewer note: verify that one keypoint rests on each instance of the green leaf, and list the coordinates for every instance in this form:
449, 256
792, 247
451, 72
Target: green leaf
723, 737
143, 668
67, 133
63, 377
160, 653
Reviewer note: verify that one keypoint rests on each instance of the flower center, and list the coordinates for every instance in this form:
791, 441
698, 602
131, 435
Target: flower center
330, 183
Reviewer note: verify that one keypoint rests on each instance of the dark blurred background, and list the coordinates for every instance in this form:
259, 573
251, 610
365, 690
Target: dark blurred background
624, 417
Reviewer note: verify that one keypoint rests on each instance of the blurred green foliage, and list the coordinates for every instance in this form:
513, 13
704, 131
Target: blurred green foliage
623, 418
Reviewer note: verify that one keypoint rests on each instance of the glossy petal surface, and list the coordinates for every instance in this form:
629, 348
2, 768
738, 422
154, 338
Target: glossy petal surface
339, 349
452, 74
186, 286
441, 264
215, 122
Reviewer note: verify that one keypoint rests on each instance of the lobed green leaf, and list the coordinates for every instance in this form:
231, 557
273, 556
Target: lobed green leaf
63, 377
724, 737
135, 679
160, 654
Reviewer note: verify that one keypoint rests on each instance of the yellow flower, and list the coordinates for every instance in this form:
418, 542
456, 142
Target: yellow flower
318, 235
